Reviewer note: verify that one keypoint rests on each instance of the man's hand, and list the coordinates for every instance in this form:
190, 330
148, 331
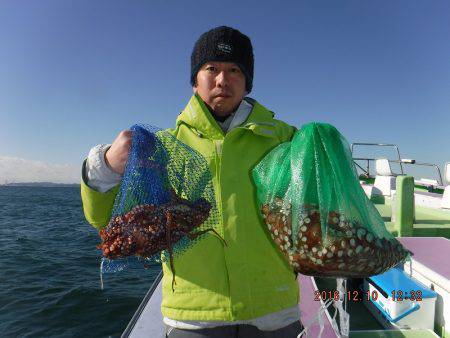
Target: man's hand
116, 157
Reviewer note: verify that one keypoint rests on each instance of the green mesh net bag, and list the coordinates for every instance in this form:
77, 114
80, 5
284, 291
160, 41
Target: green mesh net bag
165, 202
317, 212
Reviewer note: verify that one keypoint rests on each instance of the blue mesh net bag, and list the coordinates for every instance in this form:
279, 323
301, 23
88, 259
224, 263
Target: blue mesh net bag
165, 202
316, 211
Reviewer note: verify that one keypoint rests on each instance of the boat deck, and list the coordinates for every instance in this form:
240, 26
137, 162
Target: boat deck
428, 266
147, 321
429, 252
428, 223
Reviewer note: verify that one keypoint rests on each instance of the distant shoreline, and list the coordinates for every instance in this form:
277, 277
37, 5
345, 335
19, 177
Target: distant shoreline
40, 184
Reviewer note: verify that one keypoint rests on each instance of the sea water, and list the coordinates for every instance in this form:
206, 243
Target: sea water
49, 269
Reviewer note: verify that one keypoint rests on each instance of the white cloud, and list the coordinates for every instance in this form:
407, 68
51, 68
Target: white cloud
14, 169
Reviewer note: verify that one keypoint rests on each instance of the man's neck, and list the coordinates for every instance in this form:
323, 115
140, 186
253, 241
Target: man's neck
219, 117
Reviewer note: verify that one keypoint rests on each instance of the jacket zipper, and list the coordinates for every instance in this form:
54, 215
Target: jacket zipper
218, 144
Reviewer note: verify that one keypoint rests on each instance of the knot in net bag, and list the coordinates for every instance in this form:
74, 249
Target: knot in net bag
316, 211
165, 202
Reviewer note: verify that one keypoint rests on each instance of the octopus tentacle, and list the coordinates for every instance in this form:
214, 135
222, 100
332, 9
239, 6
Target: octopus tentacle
194, 235
169, 247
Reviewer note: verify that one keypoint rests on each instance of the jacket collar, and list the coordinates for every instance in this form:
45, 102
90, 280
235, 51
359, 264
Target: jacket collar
198, 117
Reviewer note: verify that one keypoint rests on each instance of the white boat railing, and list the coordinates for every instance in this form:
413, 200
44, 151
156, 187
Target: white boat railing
399, 161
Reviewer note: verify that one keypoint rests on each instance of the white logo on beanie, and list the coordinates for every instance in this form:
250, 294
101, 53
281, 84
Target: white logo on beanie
227, 49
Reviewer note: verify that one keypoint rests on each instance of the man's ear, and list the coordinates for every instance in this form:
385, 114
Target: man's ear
194, 89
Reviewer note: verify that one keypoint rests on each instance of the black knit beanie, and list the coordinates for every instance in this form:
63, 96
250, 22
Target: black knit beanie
224, 44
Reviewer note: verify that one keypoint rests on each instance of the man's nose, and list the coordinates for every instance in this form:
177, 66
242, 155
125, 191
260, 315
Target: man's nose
222, 79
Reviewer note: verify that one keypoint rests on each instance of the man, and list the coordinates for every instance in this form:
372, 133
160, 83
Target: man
245, 289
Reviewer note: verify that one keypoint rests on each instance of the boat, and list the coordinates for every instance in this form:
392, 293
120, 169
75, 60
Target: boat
417, 211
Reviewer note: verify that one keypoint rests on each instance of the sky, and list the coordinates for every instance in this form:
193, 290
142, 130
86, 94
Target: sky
73, 74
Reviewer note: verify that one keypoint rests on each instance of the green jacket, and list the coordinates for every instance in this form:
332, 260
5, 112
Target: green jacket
249, 277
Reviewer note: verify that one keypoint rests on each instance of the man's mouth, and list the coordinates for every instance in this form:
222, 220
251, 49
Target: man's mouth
223, 95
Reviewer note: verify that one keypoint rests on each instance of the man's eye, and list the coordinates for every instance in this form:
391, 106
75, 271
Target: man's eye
211, 69
235, 70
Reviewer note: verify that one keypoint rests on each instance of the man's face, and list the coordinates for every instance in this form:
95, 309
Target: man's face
221, 85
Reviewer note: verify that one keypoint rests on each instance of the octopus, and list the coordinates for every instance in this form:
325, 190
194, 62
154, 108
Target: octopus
348, 249
147, 229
